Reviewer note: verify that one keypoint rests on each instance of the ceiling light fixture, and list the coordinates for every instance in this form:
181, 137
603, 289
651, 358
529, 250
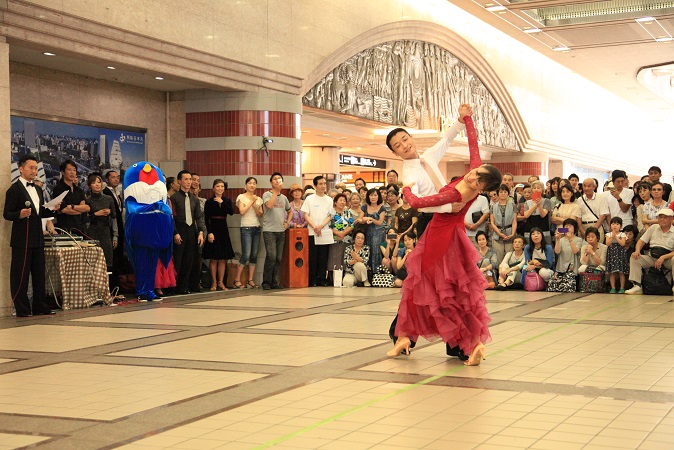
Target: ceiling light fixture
49, 54
111, 68
496, 8
532, 30
645, 19
158, 78
664, 39
561, 48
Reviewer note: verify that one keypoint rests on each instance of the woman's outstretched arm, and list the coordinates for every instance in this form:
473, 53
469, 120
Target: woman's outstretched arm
475, 160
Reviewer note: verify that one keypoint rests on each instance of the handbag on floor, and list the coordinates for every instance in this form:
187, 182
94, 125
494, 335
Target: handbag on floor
654, 282
384, 280
562, 282
591, 282
533, 282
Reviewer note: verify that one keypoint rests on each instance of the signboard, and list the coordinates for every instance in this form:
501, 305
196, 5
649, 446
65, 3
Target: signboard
93, 149
361, 161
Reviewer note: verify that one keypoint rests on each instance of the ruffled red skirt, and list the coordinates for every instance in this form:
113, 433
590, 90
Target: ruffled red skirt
443, 294
165, 277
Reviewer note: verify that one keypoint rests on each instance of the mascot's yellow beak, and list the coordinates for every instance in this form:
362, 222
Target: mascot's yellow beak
147, 168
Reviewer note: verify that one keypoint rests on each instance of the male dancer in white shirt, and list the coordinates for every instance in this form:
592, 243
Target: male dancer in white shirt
402, 144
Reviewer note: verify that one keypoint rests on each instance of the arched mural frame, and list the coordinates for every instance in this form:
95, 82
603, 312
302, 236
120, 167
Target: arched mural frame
440, 36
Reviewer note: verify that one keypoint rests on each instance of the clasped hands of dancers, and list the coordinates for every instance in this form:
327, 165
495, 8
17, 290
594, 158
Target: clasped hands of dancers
443, 294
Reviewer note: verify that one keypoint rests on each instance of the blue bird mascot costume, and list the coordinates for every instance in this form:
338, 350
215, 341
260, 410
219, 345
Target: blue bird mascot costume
149, 224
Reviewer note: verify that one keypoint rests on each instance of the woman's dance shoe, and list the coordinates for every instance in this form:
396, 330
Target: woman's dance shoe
476, 356
402, 344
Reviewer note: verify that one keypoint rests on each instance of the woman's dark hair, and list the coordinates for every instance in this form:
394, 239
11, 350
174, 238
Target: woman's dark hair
393, 133
411, 235
481, 233
357, 233
491, 177
338, 196
169, 182
394, 187
544, 243
592, 230
571, 221
520, 237
617, 220
503, 187
91, 179
250, 178
568, 188
370, 192
219, 180
629, 228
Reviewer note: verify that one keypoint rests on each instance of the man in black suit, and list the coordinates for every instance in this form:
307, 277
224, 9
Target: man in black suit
112, 181
189, 230
24, 207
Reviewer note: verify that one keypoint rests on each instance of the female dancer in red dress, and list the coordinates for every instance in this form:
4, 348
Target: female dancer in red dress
443, 294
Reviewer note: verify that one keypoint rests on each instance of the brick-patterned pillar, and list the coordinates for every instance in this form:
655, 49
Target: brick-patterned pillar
521, 165
5, 174
224, 132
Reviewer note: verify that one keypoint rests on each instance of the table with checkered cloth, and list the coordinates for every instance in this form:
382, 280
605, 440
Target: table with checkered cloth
78, 274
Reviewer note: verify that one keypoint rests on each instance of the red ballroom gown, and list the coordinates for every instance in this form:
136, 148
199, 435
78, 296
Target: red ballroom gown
443, 294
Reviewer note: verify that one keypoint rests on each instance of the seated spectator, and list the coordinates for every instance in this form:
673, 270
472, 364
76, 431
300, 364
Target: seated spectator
617, 256
510, 269
660, 238
654, 205
593, 254
405, 218
539, 255
488, 262
389, 251
567, 247
356, 258
409, 241
638, 202
631, 233
476, 218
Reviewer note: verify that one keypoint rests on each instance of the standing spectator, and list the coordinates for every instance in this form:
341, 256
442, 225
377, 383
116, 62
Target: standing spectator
73, 206
392, 205
566, 208
374, 214
619, 198
195, 274
102, 218
532, 178
250, 208
654, 205
508, 180
363, 194
218, 246
359, 183
356, 257
354, 207
295, 215
654, 174
660, 238
536, 211
342, 226
275, 210
317, 213
574, 180
476, 219
165, 277
593, 209
503, 222
188, 233
617, 256
643, 195
112, 181
392, 178
406, 217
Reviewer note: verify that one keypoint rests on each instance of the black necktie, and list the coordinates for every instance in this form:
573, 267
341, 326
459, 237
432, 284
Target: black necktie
30, 184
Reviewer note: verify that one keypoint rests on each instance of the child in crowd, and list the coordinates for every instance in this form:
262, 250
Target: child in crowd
617, 258
409, 241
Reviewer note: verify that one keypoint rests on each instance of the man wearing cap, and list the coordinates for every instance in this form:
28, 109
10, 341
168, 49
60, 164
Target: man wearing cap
619, 199
660, 237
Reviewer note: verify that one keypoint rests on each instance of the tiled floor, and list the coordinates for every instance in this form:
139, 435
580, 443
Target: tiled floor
306, 368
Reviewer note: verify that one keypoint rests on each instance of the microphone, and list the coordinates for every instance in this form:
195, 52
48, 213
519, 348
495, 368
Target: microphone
27, 204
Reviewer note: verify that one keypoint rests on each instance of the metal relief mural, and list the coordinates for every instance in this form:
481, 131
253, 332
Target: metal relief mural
413, 84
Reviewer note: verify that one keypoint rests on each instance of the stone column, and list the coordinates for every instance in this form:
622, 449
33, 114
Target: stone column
5, 175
